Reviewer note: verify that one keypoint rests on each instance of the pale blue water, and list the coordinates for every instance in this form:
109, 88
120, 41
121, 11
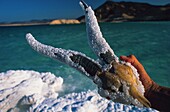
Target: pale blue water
148, 41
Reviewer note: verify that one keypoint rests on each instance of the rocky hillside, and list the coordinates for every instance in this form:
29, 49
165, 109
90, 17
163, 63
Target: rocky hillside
130, 11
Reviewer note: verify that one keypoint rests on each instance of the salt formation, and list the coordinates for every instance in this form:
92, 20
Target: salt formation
21, 90
72, 58
111, 62
90, 68
116, 80
96, 40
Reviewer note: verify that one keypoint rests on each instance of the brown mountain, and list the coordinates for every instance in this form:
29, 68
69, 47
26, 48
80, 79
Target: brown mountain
130, 11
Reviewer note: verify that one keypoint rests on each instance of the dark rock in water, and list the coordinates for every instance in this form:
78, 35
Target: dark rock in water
130, 11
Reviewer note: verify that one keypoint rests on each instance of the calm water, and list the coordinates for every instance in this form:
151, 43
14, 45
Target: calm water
148, 41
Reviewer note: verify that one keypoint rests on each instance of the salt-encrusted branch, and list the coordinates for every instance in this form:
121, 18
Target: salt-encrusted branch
98, 44
75, 59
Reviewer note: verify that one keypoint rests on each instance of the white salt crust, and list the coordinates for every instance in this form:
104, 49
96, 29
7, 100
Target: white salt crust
30, 91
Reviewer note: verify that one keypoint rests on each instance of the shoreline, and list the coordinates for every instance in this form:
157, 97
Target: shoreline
22, 24
53, 22
36, 24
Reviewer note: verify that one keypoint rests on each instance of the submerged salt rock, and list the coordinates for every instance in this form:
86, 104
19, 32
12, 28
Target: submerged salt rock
19, 90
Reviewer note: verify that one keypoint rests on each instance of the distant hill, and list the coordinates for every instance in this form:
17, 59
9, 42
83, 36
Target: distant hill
64, 21
130, 11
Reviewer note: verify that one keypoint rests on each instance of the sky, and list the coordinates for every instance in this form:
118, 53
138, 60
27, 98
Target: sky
26, 10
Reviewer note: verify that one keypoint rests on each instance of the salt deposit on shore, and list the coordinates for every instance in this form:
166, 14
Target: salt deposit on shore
33, 91
24, 89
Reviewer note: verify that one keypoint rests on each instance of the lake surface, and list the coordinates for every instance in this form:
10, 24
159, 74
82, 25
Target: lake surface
148, 41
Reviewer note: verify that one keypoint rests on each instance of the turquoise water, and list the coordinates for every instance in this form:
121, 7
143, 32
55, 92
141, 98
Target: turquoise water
148, 41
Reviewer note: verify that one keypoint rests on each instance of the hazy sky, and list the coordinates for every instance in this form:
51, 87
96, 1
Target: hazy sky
25, 10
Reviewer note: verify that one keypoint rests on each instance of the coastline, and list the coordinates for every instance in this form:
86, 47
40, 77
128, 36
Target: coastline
22, 24
53, 22
59, 23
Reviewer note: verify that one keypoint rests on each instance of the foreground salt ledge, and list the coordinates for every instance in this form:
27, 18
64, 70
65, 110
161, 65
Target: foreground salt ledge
27, 88
88, 101
33, 91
